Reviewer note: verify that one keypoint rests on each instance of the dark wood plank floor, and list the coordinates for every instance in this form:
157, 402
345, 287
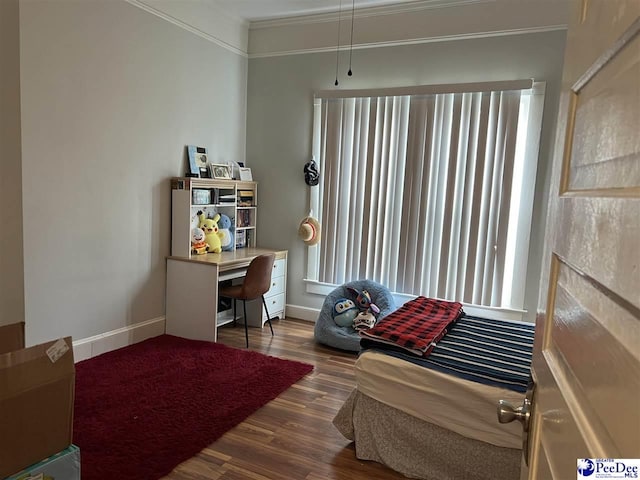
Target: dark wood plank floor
291, 437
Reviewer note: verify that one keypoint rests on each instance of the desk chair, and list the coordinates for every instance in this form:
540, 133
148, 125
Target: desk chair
257, 282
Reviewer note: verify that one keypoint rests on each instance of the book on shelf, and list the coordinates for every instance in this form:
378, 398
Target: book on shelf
241, 239
244, 218
245, 198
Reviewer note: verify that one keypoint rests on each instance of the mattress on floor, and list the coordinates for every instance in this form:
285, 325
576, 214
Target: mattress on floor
476, 364
462, 406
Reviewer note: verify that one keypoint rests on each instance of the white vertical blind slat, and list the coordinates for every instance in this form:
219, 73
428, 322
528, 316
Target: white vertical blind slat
476, 218
346, 199
457, 213
410, 255
330, 198
366, 258
357, 191
449, 221
484, 245
512, 111
472, 119
424, 241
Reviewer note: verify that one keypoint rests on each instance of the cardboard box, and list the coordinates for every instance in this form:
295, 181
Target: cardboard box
37, 386
11, 337
64, 465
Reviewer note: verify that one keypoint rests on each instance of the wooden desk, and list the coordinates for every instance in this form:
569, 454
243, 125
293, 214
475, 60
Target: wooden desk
192, 289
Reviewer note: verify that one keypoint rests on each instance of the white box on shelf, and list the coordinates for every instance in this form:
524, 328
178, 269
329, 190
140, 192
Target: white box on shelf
201, 197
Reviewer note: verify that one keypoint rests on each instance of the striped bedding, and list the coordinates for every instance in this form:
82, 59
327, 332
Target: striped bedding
491, 352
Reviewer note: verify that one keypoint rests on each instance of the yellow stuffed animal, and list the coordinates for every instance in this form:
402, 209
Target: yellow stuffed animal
211, 234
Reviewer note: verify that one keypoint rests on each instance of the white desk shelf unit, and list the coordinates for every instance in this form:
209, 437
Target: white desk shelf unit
192, 280
236, 199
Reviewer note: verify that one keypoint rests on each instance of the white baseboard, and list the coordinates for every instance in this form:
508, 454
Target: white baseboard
303, 313
121, 337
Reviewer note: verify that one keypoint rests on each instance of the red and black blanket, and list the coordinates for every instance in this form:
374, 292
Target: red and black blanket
416, 326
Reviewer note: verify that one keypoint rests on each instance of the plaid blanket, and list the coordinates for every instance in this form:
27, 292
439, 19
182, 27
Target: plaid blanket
416, 326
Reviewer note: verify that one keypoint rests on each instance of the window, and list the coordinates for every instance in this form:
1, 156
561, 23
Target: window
428, 191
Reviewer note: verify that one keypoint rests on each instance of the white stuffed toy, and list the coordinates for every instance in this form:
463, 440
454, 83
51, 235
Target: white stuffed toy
198, 244
364, 320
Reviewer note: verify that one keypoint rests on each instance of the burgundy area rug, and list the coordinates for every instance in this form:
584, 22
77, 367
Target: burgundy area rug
143, 409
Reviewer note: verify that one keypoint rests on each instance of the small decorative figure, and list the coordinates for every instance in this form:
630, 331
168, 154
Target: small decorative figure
344, 312
198, 245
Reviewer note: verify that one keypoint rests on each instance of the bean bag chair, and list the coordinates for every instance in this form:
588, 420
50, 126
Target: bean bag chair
327, 332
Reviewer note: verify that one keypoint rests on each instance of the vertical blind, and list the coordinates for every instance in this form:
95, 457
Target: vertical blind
417, 192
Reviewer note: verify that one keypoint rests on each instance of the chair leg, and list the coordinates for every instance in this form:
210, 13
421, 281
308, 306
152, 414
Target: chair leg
246, 329
234, 312
268, 316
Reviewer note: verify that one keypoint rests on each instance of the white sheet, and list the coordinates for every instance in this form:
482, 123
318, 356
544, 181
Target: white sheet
465, 407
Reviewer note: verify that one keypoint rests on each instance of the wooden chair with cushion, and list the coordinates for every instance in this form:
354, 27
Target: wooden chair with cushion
257, 282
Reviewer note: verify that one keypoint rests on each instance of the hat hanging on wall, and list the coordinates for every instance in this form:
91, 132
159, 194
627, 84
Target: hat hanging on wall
309, 230
311, 176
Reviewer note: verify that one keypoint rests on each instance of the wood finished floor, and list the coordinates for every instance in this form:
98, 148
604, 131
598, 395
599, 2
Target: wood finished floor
292, 437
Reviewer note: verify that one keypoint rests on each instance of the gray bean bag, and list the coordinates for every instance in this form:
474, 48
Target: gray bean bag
326, 331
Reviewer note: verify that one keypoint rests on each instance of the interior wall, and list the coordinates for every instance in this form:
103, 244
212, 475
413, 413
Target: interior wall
111, 95
279, 123
11, 252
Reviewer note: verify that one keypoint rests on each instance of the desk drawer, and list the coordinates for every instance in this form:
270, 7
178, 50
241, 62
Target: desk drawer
275, 305
279, 268
277, 286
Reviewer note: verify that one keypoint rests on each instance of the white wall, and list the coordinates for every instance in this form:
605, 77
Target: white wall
110, 97
279, 119
11, 266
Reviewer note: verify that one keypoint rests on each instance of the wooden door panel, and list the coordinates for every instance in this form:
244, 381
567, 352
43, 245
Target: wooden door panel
544, 470
598, 360
602, 148
600, 237
586, 360
559, 441
588, 19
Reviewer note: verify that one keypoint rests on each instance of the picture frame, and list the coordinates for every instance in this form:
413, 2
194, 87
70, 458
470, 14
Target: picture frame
197, 157
245, 174
220, 171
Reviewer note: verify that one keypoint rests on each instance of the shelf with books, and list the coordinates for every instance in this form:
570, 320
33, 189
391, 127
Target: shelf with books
245, 217
246, 198
245, 237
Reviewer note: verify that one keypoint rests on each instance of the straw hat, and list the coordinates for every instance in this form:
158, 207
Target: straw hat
309, 231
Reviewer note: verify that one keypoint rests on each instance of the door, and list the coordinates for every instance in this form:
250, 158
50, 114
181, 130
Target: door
586, 362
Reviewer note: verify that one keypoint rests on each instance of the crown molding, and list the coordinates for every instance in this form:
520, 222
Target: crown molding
241, 27
392, 9
416, 41
417, 22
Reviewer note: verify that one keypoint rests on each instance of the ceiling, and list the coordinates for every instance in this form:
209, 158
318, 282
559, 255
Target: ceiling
255, 10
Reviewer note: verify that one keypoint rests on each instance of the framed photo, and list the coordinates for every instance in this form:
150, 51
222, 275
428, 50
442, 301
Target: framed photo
245, 174
220, 170
198, 161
